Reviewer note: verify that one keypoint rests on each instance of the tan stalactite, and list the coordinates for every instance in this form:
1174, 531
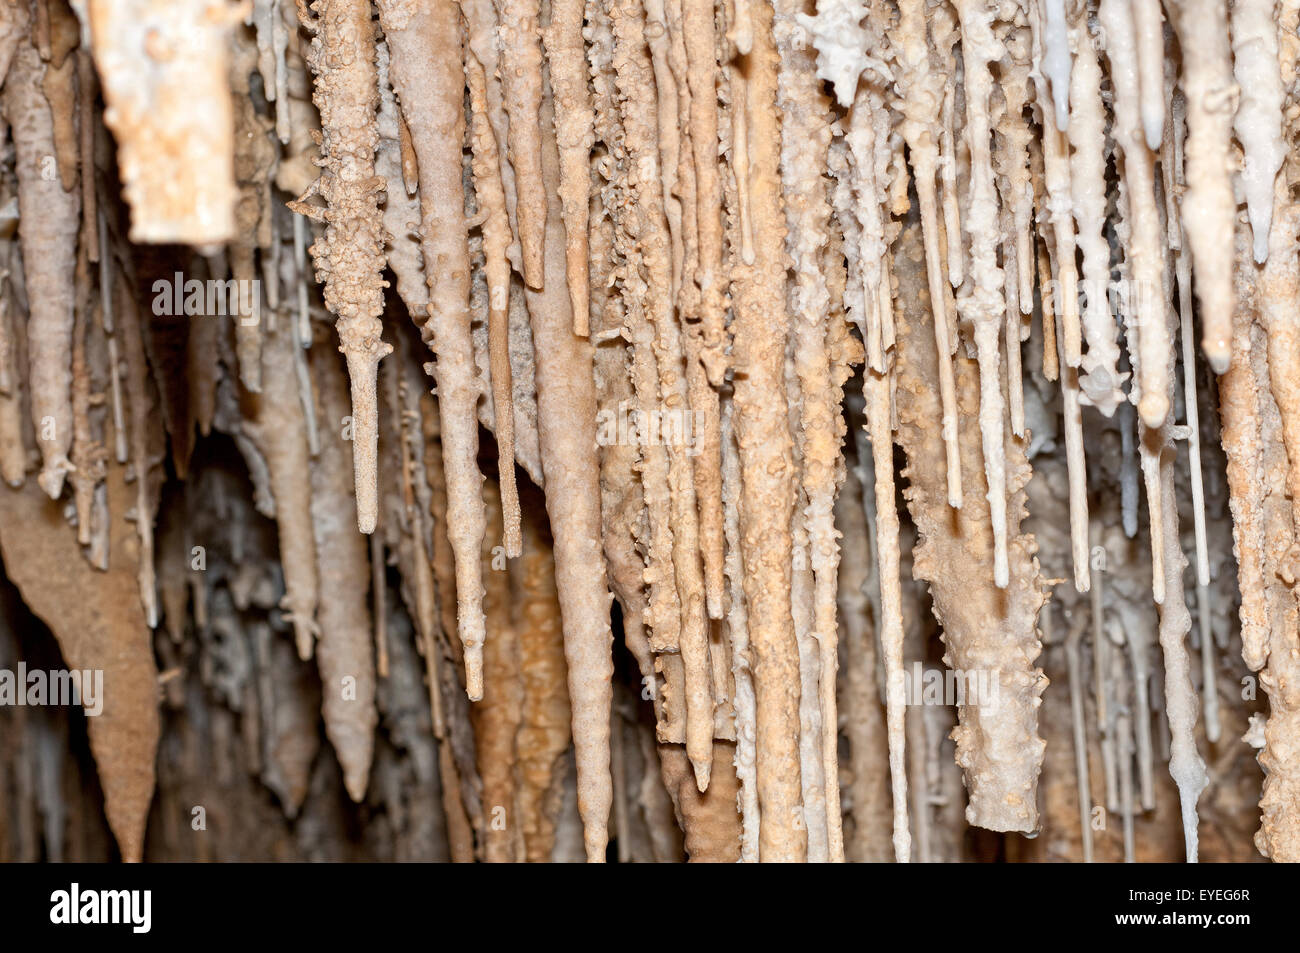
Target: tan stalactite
565, 57
343, 649
700, 38
566, 412
170, 110
491, 198
498, 718
48, 238
1257, 463
984, 629
97, 619
520, 54
646, 245
544, 730
652, 227
141, 426
805, 143
273, 420
761, 327
430, 90
349, 255
922, 102
709, 818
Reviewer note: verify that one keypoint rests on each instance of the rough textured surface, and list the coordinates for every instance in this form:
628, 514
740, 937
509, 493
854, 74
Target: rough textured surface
989, 633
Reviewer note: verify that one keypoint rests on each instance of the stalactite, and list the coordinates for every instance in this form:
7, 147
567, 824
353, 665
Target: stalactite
983, 304
170, 110
761, 326
1143, 251
1208, 206
497, 720
709, 818
431, 94
47, 233
143, 453
274, 423
520, 54
804, 156
99, 624
1000, 755
349, 256
1251, 441
670, 402
343, 649
921, 97
566, 416
868, 793
491, 198
1102, 381
562, 39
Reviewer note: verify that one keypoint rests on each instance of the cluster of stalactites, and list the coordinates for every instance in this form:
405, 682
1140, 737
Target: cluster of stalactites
645, 246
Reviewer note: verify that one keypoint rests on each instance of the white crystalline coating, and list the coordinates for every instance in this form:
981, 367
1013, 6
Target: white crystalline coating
1258, 123
842, 43
1056, 181
1100, 385
1056, 59
921, 90
983, 304
871, 245
1254, 735
1142, 216
1208, 205
1149, 39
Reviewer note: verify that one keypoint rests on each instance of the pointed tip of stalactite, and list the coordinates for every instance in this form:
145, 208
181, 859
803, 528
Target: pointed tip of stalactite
595, 839
365, 520
1189, 832
1261, 246
903, 848
533, 271
713, 605
579, 303
474, 672
1218, 354
703, 771
250, 374
1153, 409
50, 480
1154, 129
512, 537
356, 782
